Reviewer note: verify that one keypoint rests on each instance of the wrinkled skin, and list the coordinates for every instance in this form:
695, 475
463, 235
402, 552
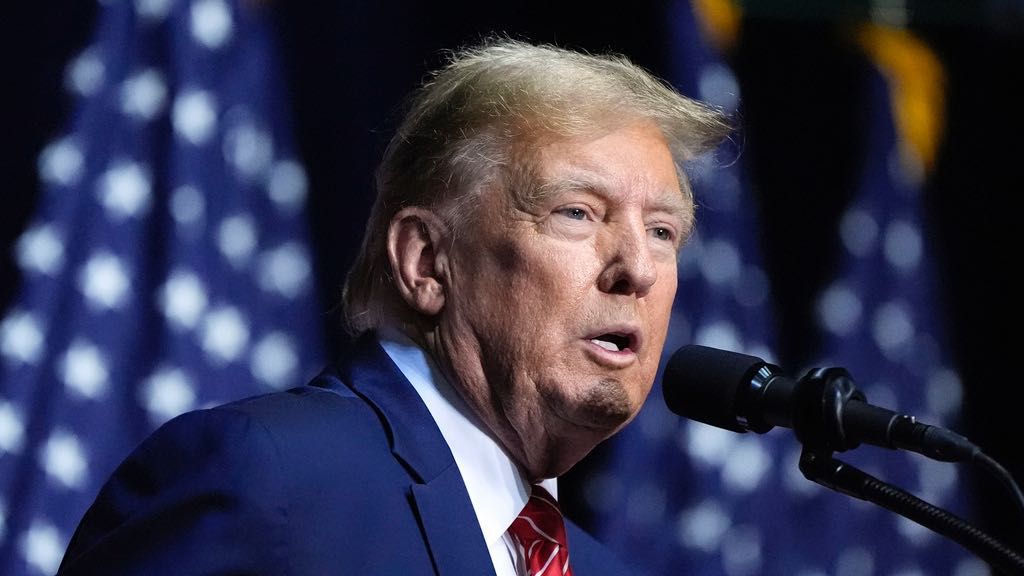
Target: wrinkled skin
530, 288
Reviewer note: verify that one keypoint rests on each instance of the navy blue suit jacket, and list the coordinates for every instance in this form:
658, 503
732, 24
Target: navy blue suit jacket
348, 475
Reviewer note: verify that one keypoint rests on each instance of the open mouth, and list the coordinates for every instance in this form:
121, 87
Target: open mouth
613, 342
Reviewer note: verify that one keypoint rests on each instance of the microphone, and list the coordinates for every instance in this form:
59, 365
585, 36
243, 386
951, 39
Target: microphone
744, 393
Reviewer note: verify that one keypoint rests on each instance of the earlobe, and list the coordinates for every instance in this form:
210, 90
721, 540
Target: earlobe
416, 254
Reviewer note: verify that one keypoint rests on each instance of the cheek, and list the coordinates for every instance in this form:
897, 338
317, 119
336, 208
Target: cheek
548, 278
513, 293
658, 312
663, 295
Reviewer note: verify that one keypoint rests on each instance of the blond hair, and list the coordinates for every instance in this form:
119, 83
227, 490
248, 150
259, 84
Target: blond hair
465, 126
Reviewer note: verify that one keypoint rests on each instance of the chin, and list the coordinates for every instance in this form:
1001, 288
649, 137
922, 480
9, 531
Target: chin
599, 410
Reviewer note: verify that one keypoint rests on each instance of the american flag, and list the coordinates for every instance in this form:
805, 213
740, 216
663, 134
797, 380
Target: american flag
681, 497
881, 318
167, 267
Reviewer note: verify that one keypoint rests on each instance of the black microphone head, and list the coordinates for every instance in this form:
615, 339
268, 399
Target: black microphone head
703, 384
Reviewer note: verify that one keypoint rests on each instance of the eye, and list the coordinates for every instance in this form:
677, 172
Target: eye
662, 233
574, 213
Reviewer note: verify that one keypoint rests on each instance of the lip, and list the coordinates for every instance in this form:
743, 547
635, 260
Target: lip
614, 358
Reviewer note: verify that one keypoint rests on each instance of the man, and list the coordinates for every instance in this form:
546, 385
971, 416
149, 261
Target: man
511, 301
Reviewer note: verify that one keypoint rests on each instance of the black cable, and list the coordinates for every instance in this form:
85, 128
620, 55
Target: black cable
1004, 477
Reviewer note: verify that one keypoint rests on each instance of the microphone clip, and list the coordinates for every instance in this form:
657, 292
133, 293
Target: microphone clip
820, 405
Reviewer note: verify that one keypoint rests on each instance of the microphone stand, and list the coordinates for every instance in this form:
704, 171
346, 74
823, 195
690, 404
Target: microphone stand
823, 395
819, 466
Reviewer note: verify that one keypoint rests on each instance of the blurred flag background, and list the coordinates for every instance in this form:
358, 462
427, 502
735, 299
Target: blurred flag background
881, 317
167, 266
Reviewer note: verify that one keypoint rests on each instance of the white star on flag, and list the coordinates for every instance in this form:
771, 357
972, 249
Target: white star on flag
166, 394
125, 189
40, 250
195, 116
12, 430
144, 94
104, 281
63, 459
43, 547
21, 337
84, 370
183, 299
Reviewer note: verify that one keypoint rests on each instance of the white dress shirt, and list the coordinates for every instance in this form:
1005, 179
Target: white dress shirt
497, 490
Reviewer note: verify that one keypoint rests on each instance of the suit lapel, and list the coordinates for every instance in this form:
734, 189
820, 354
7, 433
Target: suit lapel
439, 495
450, 525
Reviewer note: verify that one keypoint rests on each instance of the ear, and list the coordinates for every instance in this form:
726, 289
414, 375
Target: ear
418, 258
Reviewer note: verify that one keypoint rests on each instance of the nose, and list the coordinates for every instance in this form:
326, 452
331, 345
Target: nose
630, 266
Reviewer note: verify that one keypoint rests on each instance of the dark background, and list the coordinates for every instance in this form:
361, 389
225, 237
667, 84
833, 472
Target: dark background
349, 64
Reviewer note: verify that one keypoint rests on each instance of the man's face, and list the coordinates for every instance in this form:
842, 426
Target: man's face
557, 310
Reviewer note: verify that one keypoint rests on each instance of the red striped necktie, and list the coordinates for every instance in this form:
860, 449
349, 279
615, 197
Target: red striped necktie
540, 532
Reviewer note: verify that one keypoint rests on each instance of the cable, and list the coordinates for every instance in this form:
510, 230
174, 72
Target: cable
1004, 477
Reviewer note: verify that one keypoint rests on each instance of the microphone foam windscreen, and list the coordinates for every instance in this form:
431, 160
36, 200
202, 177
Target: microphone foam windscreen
701, 383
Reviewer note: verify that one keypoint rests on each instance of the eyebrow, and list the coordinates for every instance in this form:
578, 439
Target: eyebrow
673, 203
541, 191
668, 201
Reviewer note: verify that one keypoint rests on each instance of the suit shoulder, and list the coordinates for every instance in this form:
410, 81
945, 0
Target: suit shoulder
323, 401
243, 470
324, 416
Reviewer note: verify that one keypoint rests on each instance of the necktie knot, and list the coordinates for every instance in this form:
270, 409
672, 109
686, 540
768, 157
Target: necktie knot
540, 531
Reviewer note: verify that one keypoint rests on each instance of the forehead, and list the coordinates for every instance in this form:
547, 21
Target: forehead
632, 160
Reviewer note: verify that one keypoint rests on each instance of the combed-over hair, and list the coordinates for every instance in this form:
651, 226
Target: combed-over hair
475, 118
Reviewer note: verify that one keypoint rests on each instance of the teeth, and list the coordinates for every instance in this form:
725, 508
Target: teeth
606, 345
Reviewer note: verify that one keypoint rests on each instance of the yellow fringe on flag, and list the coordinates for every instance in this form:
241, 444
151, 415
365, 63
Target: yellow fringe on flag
719, 21
917, 81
